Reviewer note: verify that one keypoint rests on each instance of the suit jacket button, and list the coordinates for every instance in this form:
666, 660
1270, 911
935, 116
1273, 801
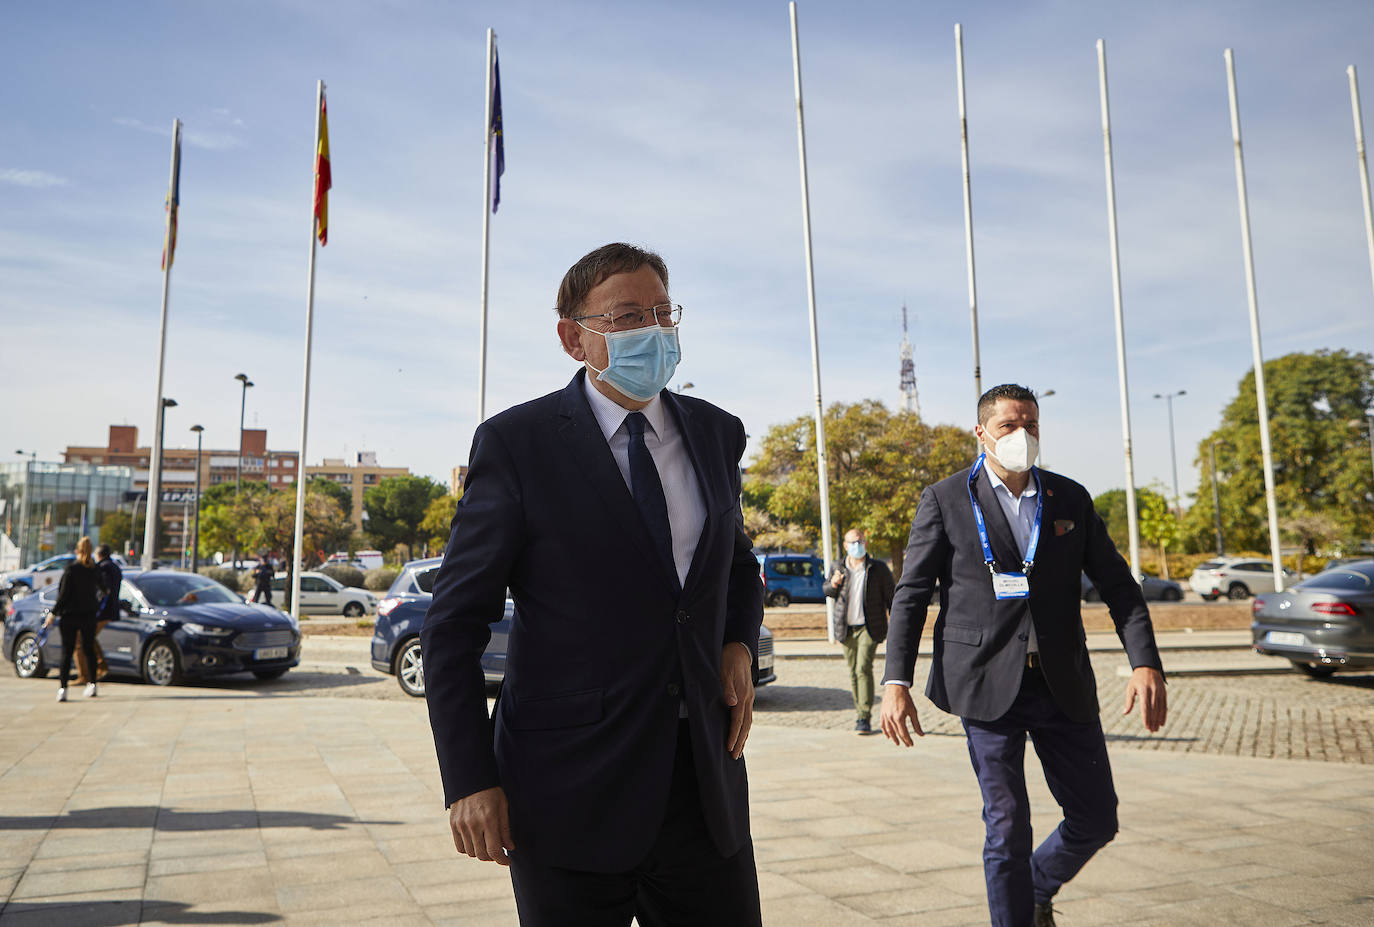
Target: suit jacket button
681, 617
1021, 637
674, 689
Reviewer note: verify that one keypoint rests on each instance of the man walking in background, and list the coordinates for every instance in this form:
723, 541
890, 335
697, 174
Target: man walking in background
862, 588
1006, 543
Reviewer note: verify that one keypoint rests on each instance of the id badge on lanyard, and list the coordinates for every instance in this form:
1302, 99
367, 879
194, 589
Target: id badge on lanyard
1007, 585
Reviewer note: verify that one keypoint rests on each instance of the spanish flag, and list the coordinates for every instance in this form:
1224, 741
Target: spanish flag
169, 244
322, 176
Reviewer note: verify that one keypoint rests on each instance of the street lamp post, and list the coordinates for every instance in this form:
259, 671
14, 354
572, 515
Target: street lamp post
195, 531
1173, 454
238, 478
24, 503
133, 519
683, 387
1216, 495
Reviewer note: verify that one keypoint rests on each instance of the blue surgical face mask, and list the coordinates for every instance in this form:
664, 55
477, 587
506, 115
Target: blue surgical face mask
641, 360
856, 549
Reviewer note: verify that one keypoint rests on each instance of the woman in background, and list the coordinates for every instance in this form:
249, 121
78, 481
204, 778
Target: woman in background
78, 603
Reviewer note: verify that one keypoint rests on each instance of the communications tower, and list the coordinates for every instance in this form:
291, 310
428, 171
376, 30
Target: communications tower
909, 401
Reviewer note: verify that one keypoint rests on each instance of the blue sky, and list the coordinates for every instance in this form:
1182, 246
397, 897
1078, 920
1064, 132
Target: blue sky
671, 125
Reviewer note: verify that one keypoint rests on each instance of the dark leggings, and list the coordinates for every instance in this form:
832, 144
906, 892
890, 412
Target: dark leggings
69, 625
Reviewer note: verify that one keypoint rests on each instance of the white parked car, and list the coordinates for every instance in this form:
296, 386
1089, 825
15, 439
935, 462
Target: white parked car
324, 595
1234, 577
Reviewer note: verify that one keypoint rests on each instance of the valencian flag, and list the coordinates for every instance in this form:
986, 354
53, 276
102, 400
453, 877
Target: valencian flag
494, 133
322, 177
169, 244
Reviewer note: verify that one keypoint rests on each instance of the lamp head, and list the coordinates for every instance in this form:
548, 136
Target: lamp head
168, 403
197, 429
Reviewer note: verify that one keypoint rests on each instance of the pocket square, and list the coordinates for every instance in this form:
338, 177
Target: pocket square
1062, 526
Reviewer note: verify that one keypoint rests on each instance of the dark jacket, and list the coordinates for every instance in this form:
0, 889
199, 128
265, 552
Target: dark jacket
602, 649
262, 574
979, 640
79, 593
110, 577
878, 590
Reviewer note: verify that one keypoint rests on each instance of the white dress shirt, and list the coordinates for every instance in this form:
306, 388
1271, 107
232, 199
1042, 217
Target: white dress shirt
1020, 512
663, 438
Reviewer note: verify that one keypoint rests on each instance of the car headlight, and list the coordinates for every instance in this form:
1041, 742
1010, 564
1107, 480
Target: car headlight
205, 630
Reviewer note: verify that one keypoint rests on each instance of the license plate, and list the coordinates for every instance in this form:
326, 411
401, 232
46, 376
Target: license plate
269, 653
1286, 638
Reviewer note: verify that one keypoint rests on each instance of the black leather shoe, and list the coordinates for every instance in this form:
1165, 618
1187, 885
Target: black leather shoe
1044, 915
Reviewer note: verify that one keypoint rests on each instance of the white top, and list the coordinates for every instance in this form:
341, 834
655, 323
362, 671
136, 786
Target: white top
663, 438
854, 605
1020, 512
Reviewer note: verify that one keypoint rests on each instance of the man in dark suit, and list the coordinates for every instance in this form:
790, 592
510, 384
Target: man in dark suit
610, 776
1004, 543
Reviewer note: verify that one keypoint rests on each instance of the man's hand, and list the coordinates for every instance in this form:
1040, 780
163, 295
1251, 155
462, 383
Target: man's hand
898, 708
838, 579
481, 825
737, 683
47, 622
1148, 683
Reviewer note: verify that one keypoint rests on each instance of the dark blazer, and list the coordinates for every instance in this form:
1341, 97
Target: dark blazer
980, 641
602, 651
79, 592
878, 592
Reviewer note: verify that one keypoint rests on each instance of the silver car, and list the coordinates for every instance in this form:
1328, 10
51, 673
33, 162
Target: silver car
1234, 577
1322, 624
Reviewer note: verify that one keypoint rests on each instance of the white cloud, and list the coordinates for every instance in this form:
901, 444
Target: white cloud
35, 179
212, 141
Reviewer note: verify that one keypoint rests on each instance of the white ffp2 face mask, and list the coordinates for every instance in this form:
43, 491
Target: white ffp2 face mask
1016, 451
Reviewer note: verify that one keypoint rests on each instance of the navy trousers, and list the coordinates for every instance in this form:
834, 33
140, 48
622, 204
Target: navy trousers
1074, 757
684, 882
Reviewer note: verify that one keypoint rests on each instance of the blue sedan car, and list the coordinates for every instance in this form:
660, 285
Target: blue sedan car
172, 626
396, 638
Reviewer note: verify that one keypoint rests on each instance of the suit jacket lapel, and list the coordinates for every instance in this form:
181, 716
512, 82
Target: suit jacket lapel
696, 440
587, 446
1000, 536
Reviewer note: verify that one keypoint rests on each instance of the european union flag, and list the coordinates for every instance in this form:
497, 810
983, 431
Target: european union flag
494, 133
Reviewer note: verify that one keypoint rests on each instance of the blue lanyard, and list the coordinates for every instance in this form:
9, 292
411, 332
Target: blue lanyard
1029, 561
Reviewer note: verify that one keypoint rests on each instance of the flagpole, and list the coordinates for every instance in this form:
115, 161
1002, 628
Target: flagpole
822, 465
1262, 403
1132, 520
1364, 165
299, 534
152, 511
968, 211
486, 236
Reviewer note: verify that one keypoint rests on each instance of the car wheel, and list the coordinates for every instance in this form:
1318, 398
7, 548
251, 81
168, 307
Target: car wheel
1171, 595
410, 668
161, 666
1315, 670
1238, 591
354, 610
28, 657
1209, 598
265, 675
779, 599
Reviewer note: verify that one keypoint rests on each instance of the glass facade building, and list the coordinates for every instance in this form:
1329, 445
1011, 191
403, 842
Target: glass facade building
48, 506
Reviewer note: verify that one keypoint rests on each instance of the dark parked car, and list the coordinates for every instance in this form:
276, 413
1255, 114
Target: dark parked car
789, 578
396, 638
172, 626
1322, 624
1155, 589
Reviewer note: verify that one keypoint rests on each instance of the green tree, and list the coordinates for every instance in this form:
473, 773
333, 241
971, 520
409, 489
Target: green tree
336, 491
879, 464
1159, 526
1318, 426
115, 531
396, 507
438, 521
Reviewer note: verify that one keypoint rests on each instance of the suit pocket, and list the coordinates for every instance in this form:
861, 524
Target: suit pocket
549, 712
963, 634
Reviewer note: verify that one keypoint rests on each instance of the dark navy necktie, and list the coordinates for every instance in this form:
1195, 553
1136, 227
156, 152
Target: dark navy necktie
647, 489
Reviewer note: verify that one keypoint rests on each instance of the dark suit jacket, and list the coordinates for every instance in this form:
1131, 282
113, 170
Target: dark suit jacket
601, 650
980, 641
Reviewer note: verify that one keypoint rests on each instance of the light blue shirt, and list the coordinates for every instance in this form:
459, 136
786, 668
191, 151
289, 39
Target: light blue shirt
1020, 512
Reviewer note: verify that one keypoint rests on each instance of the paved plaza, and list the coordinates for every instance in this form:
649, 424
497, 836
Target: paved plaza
314, 800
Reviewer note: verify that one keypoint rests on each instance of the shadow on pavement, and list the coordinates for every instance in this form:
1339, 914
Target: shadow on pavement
121, 913
167, 819
1141, 738
1353, 682
774, 697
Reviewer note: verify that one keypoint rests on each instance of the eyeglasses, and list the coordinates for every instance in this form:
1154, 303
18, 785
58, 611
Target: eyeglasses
667, 315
